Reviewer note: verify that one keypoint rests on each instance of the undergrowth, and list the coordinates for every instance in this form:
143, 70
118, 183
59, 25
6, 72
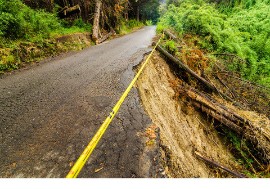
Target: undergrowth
127, 26
28, 34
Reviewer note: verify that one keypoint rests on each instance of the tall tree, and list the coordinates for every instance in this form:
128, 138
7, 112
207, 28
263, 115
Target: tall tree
144, 9
98, 4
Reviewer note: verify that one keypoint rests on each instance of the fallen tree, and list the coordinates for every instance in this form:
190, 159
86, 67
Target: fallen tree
186, 68
170, 35
105, 37
257, 135
68, 11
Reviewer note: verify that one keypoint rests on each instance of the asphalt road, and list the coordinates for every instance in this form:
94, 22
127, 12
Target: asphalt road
49, 113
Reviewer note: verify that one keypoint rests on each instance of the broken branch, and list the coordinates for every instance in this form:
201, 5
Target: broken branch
170, 35
211, 162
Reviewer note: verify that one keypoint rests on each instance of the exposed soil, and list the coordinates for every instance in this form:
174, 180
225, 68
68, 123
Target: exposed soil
182, 128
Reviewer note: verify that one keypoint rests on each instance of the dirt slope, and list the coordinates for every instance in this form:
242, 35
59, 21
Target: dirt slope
182, 129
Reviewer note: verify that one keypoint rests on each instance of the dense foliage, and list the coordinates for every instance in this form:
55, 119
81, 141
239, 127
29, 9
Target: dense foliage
238, 27
18, 21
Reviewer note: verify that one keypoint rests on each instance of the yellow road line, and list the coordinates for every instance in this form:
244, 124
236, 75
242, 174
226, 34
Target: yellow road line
76, 169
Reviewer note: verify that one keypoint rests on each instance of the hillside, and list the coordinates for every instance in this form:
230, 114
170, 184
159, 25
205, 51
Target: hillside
219, 69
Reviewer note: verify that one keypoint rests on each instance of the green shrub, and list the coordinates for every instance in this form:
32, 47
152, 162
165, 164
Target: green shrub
19, 21
127, 26
171, 46
79, 23
149, 22
20, 24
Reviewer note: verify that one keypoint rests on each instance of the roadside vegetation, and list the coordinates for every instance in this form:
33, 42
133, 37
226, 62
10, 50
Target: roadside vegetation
29, 30
238, 27
28, 35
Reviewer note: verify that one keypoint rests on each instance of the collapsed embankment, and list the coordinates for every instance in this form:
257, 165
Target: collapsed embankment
184, 128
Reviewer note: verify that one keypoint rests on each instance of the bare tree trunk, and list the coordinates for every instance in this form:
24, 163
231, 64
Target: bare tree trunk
138, 13
96, 20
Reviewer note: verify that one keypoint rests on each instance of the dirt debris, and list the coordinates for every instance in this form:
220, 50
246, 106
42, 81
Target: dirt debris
182, 129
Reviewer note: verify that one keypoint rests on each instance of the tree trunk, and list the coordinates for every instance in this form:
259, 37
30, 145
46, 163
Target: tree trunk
170, 35
96, 20
258, 136
138, 13
103, 38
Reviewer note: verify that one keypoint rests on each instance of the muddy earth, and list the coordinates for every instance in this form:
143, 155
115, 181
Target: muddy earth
50, 112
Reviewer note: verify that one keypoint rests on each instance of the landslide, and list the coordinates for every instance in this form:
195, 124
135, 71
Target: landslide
186, 129
182, 129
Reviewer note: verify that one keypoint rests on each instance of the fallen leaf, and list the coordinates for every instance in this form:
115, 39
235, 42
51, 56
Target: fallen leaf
13, 164
97, 170
71, 164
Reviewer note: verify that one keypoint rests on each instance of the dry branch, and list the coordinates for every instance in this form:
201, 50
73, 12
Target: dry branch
170, 35
67, 11
231, 55
211, 162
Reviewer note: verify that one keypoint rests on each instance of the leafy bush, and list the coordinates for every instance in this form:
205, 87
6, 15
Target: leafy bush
149, 22
127, 26
244, 31
20, 24
19, 21
171, 47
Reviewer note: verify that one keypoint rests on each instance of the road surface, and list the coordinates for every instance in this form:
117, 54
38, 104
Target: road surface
49, 113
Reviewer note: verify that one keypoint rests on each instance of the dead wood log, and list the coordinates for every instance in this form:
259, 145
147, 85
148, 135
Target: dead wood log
258, 136
103, 38
74, 9
222, 119
211, 103
170, 35
213, 163
186, 68
67, 11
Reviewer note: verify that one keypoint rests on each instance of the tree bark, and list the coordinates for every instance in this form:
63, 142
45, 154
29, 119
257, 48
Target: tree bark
96, 21
103, 38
